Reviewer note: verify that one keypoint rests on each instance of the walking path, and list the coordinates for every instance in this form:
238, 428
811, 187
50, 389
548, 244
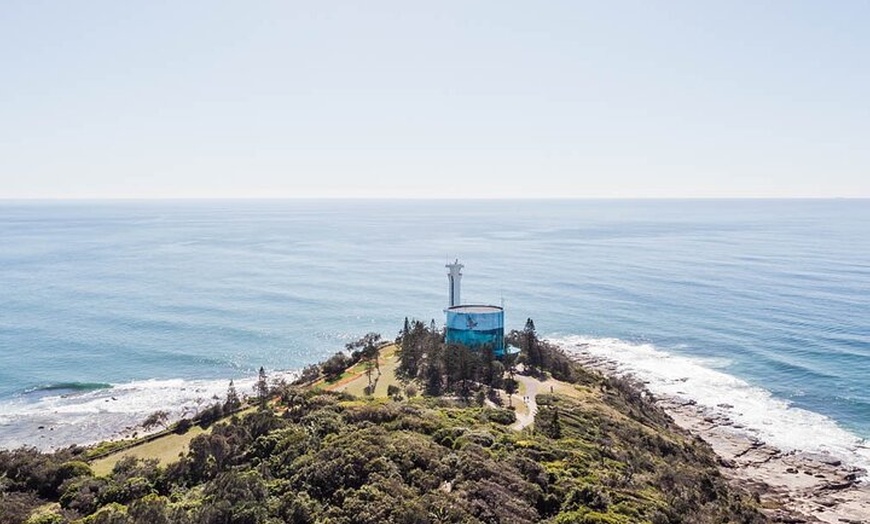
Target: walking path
531, 387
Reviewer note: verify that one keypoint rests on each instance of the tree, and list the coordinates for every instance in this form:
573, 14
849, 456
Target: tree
547, 421
150, 509
497, 378
209, 415
462, 365
369, 367
510, 363
233, 401
366, 349
237, 497
532, 346
394, 392
158, 417
480, 398
406, 329
262, 388
335, 366
415, 344
432, 372
487, 363
510, 387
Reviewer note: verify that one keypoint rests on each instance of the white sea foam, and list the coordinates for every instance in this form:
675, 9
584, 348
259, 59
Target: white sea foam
59, 420
766, 417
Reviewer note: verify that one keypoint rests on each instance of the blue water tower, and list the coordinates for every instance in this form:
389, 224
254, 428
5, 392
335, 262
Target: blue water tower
474, 326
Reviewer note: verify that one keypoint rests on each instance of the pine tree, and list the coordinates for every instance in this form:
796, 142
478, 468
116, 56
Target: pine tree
262, 388
432, 371
233, 402
433, 380
532, 346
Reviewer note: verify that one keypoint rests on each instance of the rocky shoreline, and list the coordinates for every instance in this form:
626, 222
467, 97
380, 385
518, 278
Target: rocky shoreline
793, 486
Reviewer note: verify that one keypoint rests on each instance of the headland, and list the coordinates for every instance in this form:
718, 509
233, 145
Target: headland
793, 485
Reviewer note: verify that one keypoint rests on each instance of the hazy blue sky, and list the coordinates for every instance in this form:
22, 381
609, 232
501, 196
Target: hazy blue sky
433, 99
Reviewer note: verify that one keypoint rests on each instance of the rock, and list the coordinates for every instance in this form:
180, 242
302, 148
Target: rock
725, 406
727, 463
788, 519
824, 458
837, 486
791, 470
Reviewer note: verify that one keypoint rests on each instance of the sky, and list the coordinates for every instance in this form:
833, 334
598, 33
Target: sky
468, 99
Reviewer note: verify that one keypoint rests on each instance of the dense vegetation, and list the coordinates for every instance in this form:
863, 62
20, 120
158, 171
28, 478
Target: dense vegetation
603, 455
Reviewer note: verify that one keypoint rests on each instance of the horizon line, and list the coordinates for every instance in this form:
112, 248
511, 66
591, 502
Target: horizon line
417, 198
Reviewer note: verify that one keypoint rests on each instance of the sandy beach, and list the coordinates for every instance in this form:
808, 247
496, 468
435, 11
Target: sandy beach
793, 486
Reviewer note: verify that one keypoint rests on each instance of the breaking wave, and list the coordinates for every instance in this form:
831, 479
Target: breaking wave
49, 417
759, 413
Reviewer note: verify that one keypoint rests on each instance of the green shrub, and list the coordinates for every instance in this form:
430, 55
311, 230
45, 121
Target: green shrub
504, 417
46, 518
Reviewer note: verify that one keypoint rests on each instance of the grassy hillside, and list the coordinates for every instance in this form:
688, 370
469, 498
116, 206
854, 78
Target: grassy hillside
599, 453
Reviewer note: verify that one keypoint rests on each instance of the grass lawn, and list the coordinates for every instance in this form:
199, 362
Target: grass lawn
166, 449
355, 381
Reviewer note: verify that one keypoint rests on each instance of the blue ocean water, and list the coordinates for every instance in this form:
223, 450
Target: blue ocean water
110, 310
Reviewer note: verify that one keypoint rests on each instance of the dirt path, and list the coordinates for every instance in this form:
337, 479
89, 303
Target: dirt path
531, 387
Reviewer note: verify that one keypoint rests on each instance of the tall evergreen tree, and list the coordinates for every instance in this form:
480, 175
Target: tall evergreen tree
412, 351
532, 346
233, 402
262, 388
432, 371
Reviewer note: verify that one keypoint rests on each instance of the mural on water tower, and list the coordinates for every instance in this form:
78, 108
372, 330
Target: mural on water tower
472, 325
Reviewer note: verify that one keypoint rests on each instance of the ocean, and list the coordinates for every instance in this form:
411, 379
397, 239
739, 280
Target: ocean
110, 311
